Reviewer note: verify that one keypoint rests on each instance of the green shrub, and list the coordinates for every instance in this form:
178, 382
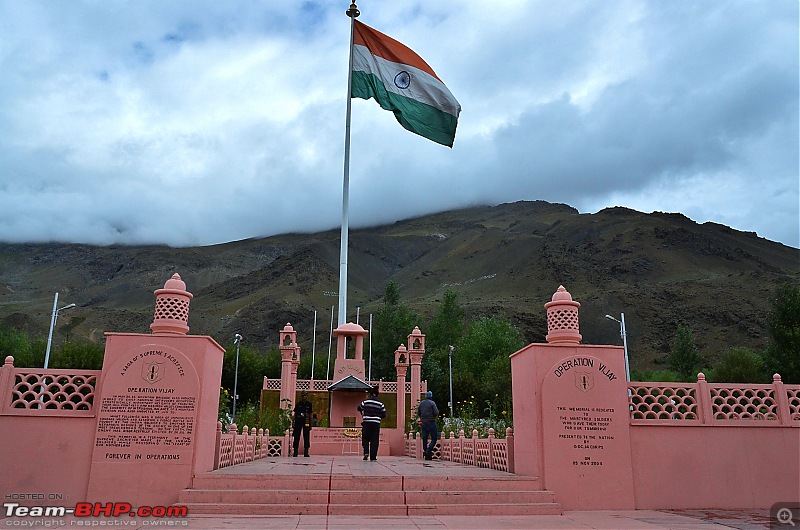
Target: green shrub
740, 365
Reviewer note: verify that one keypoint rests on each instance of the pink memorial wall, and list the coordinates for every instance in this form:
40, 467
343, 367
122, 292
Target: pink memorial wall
134, 432
600, 442
578, 438
156, 423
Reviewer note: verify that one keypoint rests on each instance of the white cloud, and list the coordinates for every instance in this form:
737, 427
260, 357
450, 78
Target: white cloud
203, 122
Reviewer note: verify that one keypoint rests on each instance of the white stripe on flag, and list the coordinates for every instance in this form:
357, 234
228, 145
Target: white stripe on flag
423, 88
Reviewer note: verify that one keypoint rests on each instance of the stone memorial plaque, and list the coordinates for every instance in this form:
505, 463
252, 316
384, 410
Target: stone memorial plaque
586, 436
148, 409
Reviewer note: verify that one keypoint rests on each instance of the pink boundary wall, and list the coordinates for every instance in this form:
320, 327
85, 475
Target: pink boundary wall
43, 456
741, 443
666, 445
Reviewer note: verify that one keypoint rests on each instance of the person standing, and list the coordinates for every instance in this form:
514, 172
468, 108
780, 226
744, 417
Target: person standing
302, 423
372, 412
427, 412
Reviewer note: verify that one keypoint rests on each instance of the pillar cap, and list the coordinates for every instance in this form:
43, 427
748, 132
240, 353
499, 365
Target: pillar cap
350, 329
172, 308
562, 318
560, 296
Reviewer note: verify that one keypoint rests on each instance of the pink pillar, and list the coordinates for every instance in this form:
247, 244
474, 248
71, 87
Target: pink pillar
295, 366
344, 366
510, 449
163, 386
288, 342
784, 414
571, 417
416, 349
704, 408
401, 364
6, 380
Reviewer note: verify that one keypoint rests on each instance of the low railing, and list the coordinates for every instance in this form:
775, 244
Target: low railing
490, 452
233, 448
321, 385
715, 404
46, 392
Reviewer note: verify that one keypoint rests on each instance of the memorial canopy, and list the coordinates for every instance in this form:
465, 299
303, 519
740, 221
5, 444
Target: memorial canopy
350, 383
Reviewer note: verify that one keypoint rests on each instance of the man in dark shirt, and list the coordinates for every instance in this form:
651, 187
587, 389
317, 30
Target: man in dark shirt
302, 423
427, 411
372, 412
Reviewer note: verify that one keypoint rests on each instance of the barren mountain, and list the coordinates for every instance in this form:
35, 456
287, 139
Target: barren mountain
660, 269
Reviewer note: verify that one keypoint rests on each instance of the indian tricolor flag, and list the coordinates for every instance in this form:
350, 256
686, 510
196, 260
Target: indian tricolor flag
400, 81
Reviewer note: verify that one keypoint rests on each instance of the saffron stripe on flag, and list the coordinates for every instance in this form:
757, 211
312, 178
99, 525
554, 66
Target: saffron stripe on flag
386, 47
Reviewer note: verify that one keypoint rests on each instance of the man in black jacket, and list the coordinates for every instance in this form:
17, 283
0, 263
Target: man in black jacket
302, 423
372, 412
427, 411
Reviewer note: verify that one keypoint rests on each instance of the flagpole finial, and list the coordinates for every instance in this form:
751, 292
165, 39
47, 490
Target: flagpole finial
353, 12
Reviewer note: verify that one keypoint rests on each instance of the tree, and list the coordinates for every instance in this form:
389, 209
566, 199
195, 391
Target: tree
782, 356
253, 367
447, 326
483, 353
446, 329
26, 354
78, 354
740, 365
497, 380
685, 356
436, 372
393, 322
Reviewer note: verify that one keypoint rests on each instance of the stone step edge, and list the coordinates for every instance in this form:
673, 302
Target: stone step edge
376, 508
508, 477
209, 480
427, 492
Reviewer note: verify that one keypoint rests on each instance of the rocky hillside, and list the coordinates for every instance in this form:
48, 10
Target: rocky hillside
661, 270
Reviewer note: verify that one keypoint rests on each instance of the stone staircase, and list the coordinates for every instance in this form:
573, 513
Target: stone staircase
250, 494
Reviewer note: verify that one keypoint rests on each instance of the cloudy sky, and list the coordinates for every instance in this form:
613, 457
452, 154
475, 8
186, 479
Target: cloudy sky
199, 122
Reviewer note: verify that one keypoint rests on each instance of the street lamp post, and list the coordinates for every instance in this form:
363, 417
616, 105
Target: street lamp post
313, 345
624, 336
236, 340
53, 319
450, 361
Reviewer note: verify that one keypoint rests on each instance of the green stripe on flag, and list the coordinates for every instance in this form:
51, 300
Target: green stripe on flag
419, 118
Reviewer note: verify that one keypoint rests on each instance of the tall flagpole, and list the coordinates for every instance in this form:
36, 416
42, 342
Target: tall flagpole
353, 12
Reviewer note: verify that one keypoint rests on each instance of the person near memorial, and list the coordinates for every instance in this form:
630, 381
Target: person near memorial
314, 420
302, 423
427, 412
372, 412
